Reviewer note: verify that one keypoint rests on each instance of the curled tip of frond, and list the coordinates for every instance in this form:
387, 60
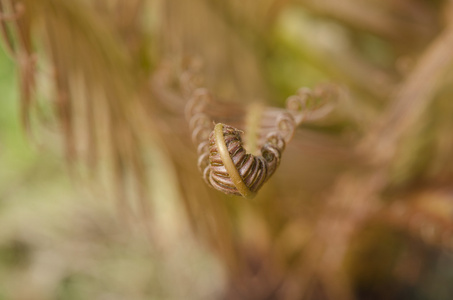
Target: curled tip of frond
311, 105
223, 160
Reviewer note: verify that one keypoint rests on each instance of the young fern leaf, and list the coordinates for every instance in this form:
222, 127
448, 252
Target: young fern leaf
223, 160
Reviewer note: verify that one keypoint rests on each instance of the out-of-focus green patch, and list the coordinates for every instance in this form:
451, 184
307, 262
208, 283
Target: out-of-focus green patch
291, 63
71, 287
375, 50
15, 254
16, 153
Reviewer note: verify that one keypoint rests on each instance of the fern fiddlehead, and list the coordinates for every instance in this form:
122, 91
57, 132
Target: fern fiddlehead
223, 159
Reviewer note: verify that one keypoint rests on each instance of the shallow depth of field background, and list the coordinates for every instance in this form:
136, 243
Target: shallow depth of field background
360, 208
58, 240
